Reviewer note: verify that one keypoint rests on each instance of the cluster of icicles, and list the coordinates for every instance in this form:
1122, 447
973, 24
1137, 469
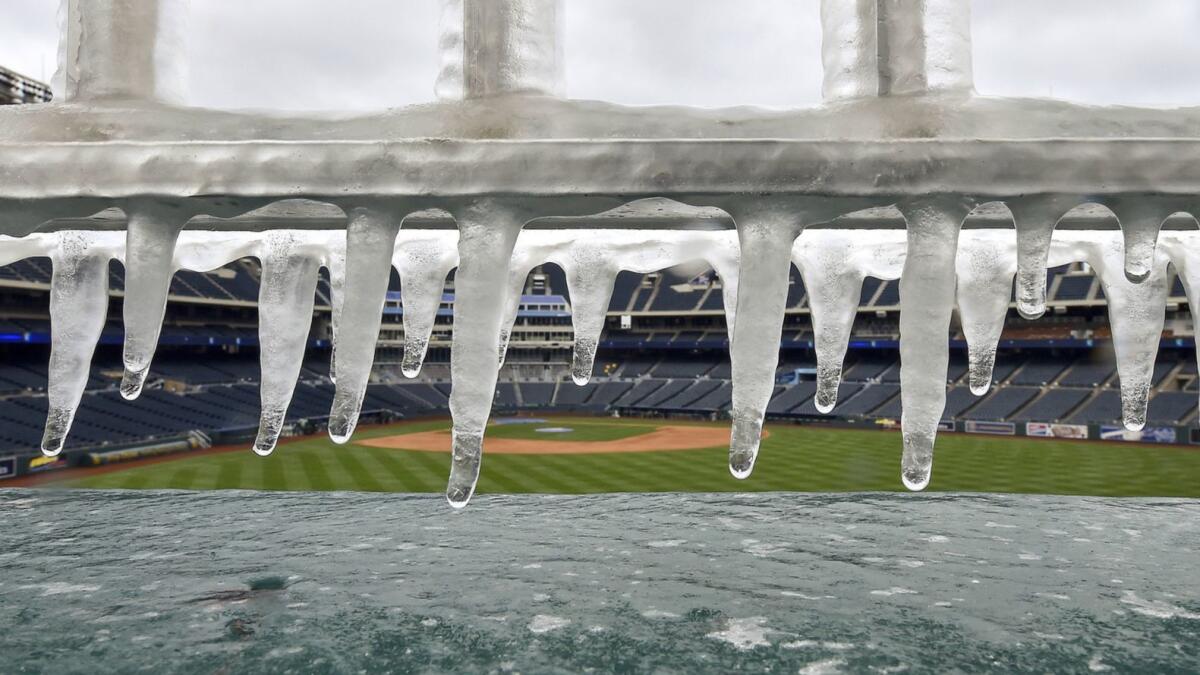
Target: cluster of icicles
833, 264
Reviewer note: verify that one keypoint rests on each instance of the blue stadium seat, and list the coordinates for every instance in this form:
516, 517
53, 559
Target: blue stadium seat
1105, 408
791, 398
1087, 373
1001, 403
866, 400
1053, 406
1170, 407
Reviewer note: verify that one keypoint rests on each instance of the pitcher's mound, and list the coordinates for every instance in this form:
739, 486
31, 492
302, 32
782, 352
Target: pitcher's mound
662, 438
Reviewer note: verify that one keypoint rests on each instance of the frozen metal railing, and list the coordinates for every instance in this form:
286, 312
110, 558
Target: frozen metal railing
901, 126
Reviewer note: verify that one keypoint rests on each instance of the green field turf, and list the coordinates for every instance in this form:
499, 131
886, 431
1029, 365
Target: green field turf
792, 458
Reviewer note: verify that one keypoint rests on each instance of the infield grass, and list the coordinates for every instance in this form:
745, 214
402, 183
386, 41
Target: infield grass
793, 458
594, 430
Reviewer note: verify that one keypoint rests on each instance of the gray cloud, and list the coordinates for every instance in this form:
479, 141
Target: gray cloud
368, 54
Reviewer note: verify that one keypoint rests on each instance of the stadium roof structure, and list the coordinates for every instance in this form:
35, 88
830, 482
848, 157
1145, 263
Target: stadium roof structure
901, 126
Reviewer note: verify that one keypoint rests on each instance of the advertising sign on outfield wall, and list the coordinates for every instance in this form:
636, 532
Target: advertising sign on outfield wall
39, 464
1046, 430
1146, 435
999, 428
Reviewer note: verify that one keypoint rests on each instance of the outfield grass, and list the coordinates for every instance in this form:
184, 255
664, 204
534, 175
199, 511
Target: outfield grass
792, 458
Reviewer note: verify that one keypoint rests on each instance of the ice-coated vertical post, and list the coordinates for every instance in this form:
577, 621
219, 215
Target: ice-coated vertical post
496, 47
895, 47
122, 50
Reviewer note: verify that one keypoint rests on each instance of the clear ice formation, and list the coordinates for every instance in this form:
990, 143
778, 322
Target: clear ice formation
370, 246
149, 253
901, 126
833, 263
927, 286
985, 281
285, 308
591, 260
488, 232
423, 259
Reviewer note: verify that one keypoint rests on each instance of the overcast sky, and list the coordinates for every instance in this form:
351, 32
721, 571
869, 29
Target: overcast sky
368, 54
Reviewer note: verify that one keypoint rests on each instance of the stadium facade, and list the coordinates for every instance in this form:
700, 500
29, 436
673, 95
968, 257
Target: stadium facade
16, 89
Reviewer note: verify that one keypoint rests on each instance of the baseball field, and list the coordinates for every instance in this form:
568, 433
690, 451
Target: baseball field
571, 455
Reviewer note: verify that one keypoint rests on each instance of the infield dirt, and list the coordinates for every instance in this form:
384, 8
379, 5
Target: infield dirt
663, 438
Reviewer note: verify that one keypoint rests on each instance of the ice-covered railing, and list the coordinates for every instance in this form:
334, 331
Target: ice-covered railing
900, 126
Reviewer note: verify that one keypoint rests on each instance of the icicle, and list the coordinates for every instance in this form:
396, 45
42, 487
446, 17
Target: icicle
78, 310
423, 261
336, 265
518, 271
285, 309
833, 287
590, 281
724, 256
926, 306
985, 268
766, 236
1136, 312
591, 259
1184, 254
1141, 217
833, 264
1034, 218
370, 243
151, 236
488, 232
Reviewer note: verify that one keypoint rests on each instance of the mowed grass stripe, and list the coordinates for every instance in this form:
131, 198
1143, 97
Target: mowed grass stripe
271, 469
361, 477
380, 469
315, 471
568, 473
183, 479
521, 470
229, 473
401, 474
792, 458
